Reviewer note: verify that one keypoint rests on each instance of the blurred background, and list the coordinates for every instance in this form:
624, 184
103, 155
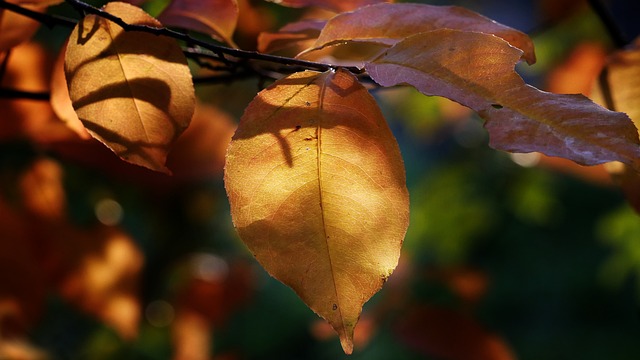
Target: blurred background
507, 256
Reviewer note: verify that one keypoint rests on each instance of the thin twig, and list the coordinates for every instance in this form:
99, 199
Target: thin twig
6, 93
217, 49
47, 19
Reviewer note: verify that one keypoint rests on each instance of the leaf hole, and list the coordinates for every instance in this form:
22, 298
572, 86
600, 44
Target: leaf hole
335, 307
497, 106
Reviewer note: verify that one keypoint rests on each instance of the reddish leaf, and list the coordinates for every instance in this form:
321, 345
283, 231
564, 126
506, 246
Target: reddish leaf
334, 5
200, 151
132, 90
300, 34
217, 18
446, 334
317, 191
16, 28
386, 24
477, 70
29, 69
101, 269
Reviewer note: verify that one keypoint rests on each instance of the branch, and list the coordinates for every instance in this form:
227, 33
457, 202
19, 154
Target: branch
217, 49
6, 93
46, 19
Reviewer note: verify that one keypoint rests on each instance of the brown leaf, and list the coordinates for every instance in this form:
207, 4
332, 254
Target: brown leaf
300, 34
29, 69
618, 88
446, 334
317, 190
60, 100
217, 18
101, 269
477, 70
42, 190
16, 28
387, 24
334, 5
200, 151
132, 90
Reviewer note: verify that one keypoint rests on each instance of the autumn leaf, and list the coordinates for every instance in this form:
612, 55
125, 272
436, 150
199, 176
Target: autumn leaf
387, 24
291, 35
618, 88
334, 5
60, 100
477, 70
16, 28
132, 90
446, 334
217, 18
317, 190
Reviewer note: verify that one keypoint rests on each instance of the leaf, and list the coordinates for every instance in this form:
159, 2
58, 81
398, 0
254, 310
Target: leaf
333, 5
618, 89
132, 90
60, 100
317, 190
387, 24
217, 18
477, 70
290, 36
199, 152
446, 334
16, 28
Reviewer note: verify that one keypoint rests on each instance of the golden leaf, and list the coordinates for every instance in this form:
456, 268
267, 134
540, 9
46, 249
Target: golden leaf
132, 90
317, 190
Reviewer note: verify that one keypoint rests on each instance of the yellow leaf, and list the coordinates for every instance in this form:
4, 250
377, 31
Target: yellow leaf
132, 90
317, 190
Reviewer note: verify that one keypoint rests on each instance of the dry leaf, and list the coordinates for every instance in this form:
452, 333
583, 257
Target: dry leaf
317, 190
60, 100
334, 5
387, 24
132, 90
101, 275
200, 151
294, 35
446, 334
618, 88
217, 18
477, 70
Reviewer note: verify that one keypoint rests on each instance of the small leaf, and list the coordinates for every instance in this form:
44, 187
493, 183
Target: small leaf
132, 90
333, 5
317, 190
217, 18
477, 70
386, 24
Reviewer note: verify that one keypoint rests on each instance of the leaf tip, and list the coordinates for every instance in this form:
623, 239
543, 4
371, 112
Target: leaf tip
346, 341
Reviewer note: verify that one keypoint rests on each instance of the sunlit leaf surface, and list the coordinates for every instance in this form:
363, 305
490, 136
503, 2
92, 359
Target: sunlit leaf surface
317, 191
132, 90
386, 24
477, 70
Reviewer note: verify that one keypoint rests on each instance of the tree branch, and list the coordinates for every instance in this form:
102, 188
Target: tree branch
46, 19
6, 93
